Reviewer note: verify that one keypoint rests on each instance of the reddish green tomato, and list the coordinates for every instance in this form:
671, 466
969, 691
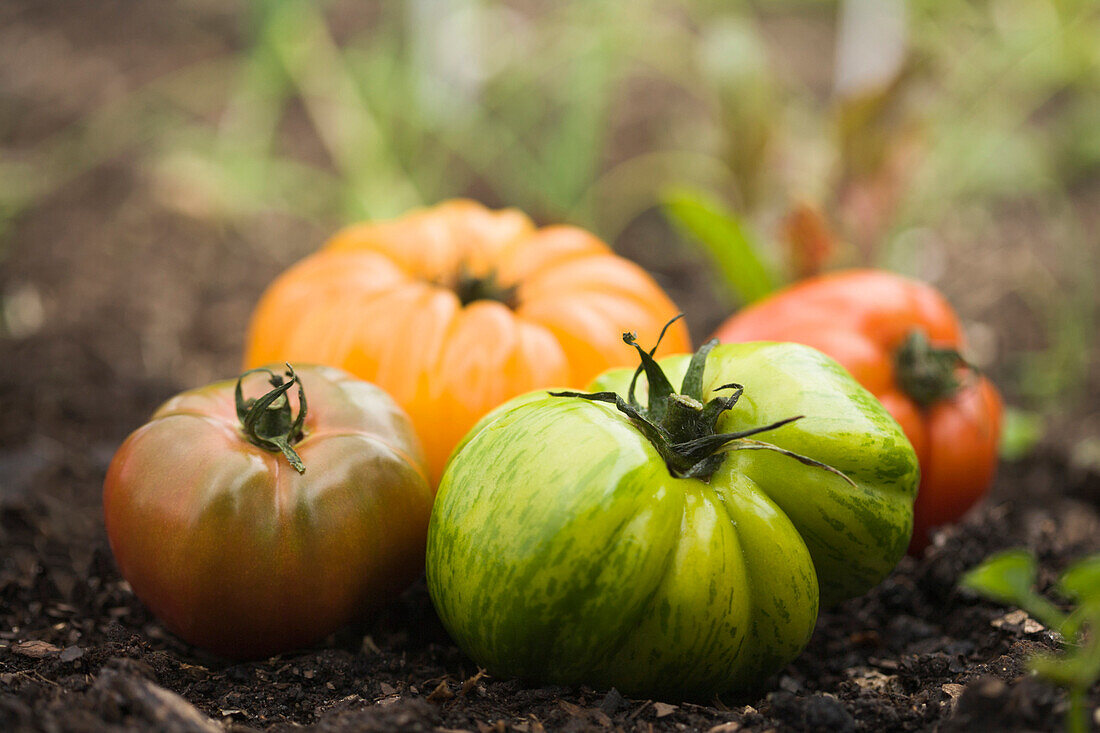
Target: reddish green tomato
238, 552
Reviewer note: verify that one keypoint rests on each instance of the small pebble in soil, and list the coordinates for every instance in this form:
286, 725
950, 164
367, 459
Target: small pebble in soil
818, 712
612, 702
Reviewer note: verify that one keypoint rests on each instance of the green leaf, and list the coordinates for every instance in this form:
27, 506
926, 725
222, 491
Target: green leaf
1085, 616
1007, 577
1021, 431
1081, 581
1061, 669
724, 239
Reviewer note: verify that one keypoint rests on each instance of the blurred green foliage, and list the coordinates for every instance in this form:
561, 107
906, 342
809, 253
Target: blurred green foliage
724, 239
1010, 577
1021, 431
900, 121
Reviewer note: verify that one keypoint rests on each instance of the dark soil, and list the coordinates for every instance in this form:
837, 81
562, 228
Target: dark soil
79, 652
133, 296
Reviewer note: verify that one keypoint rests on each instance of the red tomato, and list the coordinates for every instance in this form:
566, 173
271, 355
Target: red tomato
900, 338
240, 553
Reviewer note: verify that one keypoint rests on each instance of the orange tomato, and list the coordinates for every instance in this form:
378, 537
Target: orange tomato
899, 338
456, 308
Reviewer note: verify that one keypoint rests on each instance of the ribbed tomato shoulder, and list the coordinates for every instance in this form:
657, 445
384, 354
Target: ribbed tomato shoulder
435, 241
881, 306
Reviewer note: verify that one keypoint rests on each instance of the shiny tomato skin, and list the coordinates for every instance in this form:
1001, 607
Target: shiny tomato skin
860, 318
237, 552
562, 549
963, 436
379, 300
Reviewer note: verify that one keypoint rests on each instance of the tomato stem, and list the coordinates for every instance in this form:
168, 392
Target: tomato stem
680, 425
927, 374
268, 421
470, 288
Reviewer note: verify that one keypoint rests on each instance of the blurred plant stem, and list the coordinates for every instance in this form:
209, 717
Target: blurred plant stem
377, 185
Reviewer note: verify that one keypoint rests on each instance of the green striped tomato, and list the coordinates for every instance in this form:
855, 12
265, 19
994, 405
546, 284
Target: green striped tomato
565, 546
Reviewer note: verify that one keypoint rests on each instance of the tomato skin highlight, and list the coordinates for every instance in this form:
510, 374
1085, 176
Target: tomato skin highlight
562, 550
385, 301
861, 318
964, 434
238, 553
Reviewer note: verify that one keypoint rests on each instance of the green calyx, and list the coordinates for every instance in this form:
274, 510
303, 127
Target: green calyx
925, 373
268, 422
680, 425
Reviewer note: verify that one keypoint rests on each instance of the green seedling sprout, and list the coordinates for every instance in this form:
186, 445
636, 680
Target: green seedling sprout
1009, 577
